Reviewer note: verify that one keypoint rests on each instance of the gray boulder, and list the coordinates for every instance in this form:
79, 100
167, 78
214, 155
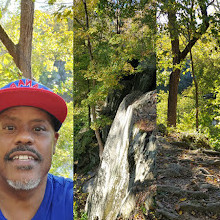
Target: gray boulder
128, 162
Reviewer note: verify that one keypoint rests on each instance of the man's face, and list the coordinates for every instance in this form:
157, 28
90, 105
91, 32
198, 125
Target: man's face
27, 144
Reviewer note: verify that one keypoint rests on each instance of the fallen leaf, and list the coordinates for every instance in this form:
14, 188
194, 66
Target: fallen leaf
183, 199
160, 177
214, 216
177, 207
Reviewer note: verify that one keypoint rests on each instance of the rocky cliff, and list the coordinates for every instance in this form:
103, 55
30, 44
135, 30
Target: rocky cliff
128, 161
146, 174
141, 82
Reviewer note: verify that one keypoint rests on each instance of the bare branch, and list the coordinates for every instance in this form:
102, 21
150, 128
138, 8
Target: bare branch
203, 29
79, 22
10, 46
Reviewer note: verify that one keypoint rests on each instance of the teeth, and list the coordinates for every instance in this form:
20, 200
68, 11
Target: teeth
23, 157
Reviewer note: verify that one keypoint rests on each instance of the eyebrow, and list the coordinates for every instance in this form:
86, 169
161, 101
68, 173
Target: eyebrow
9, 117
39, 120
12, 118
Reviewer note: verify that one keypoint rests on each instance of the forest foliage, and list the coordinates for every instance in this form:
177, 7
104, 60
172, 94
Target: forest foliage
185, 22
107, 36
205, 54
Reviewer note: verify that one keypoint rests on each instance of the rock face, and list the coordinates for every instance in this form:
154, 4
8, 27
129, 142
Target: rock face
143, 81
128, 161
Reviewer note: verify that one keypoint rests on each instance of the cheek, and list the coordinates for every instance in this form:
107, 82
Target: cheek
6, 144
45, 147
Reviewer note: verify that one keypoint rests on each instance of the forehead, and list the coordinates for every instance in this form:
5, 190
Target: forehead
25, 112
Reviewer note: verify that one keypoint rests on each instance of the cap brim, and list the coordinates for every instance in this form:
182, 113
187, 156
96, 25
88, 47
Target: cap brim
39, 98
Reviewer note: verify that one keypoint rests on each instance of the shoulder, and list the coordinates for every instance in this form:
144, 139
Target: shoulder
62, 196
58, 200
60, 183
60, 186
58, 180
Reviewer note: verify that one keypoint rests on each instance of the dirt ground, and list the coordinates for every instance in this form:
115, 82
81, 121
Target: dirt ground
187, 182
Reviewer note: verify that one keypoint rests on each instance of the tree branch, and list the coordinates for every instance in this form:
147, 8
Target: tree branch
86, 14
203, 29
10, 46
188, 47
79, 22
93, 110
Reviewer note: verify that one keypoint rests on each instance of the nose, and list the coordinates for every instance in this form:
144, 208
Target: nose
24, 137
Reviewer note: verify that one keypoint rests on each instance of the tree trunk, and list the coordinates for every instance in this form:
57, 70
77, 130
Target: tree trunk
97, 133
172, 99
193, 72
175, 75
93, 111
89, 108
179, 56
26, 35
21, 52
196, 92
117, 14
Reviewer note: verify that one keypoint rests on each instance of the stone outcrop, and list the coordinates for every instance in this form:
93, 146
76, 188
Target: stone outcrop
142, 81
128, 162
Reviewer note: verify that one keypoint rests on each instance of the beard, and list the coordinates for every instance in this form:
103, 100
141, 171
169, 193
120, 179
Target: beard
24, 184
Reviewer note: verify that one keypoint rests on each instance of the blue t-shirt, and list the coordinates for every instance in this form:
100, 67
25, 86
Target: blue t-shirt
57, 203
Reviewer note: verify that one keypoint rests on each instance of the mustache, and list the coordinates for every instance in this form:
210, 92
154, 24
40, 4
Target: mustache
23, 148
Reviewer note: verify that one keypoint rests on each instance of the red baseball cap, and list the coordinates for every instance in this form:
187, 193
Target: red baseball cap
26, 92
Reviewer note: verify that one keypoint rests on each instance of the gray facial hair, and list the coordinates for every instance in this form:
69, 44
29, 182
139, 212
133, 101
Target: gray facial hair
24, 184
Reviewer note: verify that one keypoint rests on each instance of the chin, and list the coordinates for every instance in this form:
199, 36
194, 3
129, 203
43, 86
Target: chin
24, 184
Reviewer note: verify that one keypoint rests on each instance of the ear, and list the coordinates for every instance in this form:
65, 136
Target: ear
56, 136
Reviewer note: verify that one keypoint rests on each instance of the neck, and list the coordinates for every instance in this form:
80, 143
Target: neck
21, 204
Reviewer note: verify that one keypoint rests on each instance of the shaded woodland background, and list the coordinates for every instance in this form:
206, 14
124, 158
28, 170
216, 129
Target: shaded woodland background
117, 41
114, 51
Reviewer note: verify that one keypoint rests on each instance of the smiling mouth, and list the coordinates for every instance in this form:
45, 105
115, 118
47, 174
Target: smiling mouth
23, 161
23, 153
23, 157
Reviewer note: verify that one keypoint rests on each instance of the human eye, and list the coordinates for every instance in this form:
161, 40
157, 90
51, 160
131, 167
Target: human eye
39, 128
9, 127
